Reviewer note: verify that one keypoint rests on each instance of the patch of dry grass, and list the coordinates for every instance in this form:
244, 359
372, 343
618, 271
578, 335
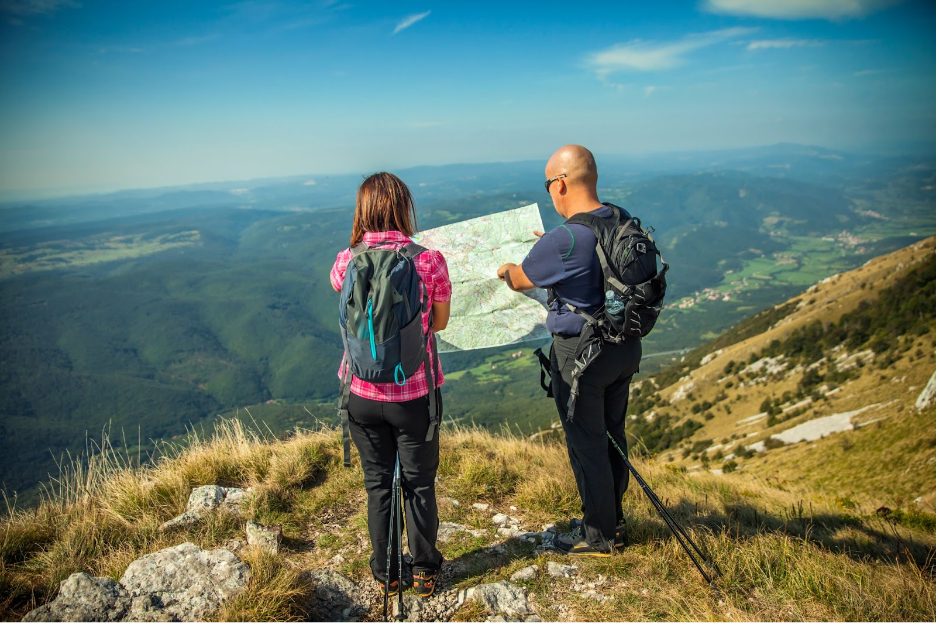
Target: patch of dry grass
276, 592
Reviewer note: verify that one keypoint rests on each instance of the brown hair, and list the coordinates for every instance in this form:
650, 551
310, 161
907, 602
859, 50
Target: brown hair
383, 202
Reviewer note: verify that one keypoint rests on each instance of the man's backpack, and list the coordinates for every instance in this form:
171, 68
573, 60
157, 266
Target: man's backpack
380, 309
633, 285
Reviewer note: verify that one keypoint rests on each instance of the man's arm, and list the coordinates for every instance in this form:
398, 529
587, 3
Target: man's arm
514, 276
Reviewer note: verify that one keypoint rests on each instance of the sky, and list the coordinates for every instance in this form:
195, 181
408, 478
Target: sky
98, 96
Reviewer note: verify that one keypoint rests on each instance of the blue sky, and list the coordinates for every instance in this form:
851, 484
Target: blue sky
107, 95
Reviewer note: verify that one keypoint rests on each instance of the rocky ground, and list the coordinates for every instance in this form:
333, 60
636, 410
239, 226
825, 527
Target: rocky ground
186, 583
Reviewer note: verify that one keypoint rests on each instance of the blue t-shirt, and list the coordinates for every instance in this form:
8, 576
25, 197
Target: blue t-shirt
564, 259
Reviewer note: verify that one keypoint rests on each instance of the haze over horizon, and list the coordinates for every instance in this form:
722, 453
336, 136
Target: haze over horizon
111, 96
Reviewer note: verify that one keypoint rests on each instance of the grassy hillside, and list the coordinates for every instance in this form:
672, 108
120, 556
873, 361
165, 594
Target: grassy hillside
781, 558
858, 347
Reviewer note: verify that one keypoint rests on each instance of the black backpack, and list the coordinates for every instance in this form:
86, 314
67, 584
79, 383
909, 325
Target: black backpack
380, 309
633, 285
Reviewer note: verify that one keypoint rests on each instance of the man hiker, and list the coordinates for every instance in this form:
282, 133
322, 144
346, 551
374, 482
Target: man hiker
565, 262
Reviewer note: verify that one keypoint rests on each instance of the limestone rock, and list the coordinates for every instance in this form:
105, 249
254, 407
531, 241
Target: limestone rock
525, 574
448, 531
593, 595
336, 598
511, 532
182, 583
481, 506
84, 598
438, 608
267, 538
501, 599
928, 394
204, 499
556, 569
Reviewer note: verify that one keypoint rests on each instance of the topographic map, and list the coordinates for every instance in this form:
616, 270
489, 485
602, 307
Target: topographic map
484, 312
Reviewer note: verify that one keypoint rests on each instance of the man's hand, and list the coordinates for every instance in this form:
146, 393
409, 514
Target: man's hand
514, 276
503, 269
537, 233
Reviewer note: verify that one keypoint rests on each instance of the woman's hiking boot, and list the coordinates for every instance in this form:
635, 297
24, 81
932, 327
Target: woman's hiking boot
425, 582
392, 586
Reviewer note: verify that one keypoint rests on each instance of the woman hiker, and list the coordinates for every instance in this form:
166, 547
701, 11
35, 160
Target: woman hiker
395, 417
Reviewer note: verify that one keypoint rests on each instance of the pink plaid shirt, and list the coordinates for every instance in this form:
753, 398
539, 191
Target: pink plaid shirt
432, 269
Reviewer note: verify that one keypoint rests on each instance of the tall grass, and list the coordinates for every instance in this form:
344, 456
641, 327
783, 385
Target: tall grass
781, 560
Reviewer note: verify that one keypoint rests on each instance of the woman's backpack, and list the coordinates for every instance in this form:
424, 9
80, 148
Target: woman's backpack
380, 308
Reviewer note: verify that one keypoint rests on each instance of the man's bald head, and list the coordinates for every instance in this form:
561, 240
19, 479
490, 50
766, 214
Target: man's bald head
578, 163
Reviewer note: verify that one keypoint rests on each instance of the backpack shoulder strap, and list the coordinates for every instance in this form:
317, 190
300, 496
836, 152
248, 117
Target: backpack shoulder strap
597, 224
411, 250
343, 406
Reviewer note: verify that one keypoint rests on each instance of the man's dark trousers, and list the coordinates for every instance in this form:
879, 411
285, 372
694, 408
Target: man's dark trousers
379, 430
602, 398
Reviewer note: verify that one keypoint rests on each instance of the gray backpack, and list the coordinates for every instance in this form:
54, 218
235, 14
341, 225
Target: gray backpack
380, 308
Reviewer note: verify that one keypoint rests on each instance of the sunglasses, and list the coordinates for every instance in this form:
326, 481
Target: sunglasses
547, 183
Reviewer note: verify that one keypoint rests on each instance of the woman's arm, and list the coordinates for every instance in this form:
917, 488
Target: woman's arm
338, 272
441, 311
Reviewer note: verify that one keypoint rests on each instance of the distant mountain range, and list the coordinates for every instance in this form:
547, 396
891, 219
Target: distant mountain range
156, 310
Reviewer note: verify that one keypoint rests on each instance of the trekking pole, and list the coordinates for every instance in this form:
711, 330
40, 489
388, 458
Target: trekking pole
680, 535
391, 529
399, 513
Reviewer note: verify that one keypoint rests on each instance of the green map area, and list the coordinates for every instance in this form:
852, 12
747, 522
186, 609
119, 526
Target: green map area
484, 312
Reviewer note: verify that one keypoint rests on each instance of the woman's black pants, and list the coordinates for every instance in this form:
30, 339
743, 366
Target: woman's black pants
379, 430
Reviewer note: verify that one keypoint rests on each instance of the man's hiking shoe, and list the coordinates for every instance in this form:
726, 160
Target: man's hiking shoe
424, 583
619, 538
574, 544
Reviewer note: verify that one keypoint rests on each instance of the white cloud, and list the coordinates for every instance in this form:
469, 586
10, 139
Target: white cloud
309, 183
409, 21
648, 90
781, 44
647, 56
240, 191
869, 72
798, 9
